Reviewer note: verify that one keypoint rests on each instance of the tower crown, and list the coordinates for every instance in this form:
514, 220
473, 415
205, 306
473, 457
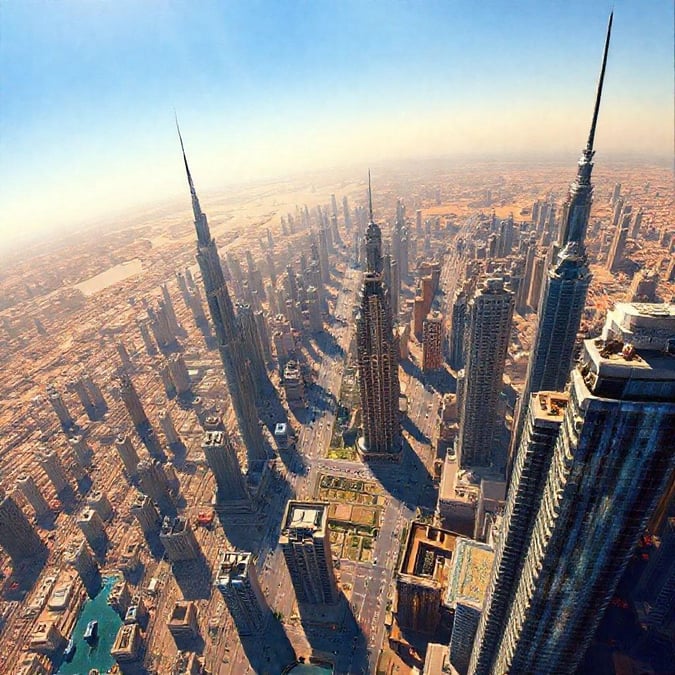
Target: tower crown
373, 238
201, 224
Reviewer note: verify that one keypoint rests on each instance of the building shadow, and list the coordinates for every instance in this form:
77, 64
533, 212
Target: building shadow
408, 425
406, 480
193, 578
24, 575
270, 651
335, 636
412, 369
327, 344
150, 440
190, 644
155, 545
442, 381
178, 453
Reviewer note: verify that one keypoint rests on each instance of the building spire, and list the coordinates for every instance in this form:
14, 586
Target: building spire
598, 95
370, 198
201, 224
578, 206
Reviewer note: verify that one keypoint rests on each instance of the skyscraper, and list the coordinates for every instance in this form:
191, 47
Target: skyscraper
565, 285
60, 408
611, 465
18, 537
457, 329
545, 415
432, 342
377, 356
237, 580
222, 460
489, 328
230, 344
305, 542
132, 402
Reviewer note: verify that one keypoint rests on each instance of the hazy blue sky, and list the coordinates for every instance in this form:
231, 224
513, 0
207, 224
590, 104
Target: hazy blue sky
262, 88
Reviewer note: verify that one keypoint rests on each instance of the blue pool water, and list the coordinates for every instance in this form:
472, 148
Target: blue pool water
96, 655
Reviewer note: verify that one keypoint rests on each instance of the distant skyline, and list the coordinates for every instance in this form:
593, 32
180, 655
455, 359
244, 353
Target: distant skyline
266, 88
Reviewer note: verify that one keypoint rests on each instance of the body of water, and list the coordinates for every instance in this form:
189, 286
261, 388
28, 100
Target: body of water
96, 655
310, 669
111, 276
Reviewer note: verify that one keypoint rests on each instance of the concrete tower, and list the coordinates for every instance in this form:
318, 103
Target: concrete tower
230, 343
254, 349
488, 332
131, 401
305, 542
457, 329
166, 422
432, 342
81, 450
127, 452
18, 537
533, 461
612, 463
146, 514
179, 374
52, 466
237, 581
31, 492
62, 412
154, 483
221, 457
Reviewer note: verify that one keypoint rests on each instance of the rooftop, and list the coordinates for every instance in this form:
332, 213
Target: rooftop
470, 574
305, 516
549, 405
428, 553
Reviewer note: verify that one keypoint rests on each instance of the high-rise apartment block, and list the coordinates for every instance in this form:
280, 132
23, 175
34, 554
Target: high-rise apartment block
305, 542
432, 342
154, 483
457, 329
532, 464
467, 585
131, 401
179, 374
51, 464
422, 577
26, 485
127, 452
611, 465
237, 580
221, 457
91, 524
488, 332
18, 538
146, 514
168, 427
178, 539
56, 400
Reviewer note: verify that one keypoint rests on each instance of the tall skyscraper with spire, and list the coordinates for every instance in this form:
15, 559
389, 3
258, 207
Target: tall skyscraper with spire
377, 356
566, 283
230, 343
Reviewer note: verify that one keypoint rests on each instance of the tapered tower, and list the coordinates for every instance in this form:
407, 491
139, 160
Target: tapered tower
230, 343
566, 283
377, 355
